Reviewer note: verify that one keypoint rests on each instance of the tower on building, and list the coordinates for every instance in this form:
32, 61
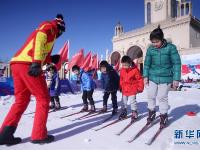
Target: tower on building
119, 29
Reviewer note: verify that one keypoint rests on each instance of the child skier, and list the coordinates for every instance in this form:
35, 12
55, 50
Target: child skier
131, 83
110, 83
52, 79
87, 85
162, 69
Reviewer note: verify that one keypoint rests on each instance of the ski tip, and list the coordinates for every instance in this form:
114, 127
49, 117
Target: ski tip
148, 143
93, 129
129, 141
118, 134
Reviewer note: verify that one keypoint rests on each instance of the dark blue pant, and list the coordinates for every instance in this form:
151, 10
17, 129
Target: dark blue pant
113, 98
87, 95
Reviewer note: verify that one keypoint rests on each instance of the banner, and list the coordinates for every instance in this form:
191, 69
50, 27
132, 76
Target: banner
190, 66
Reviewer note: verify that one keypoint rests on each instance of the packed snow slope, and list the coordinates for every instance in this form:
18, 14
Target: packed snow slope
73, 134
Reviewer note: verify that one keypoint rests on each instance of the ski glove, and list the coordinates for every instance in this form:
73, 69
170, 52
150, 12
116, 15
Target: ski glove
55, 59
35, 69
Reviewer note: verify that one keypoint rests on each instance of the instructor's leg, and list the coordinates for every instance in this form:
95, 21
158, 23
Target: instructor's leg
38, 88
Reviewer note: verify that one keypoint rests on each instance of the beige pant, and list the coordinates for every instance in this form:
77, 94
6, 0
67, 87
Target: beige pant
132, 100
159, 91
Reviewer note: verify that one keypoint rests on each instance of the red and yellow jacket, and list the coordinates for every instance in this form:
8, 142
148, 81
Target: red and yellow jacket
131, 81
38, 46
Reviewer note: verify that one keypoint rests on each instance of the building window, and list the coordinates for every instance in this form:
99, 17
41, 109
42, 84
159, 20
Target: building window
182, 10
187, 8
174, 8
148, 13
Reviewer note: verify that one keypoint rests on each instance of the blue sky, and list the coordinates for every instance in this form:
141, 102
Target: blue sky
90, 23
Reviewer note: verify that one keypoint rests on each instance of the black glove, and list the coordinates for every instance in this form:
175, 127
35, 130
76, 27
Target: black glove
35, 69
55, 59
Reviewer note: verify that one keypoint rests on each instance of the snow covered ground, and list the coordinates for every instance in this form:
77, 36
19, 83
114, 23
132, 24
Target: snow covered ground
79, 134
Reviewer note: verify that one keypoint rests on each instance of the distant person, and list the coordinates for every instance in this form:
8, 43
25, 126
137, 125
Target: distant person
110, 82
162, 69
2, 69
53, 84
29, 80
87, 85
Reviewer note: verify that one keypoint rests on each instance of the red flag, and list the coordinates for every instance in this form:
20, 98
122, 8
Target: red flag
63, 55
116, 67
185, 69
94, 64
65, 52
87, 63
77, 59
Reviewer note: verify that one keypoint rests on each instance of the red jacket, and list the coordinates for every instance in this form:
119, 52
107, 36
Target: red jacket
131, 81
38, 46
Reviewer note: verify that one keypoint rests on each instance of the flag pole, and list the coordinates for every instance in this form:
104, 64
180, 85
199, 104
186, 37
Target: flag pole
68, 61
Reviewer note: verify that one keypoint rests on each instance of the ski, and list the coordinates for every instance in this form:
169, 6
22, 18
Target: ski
95, 114
62, 108
106, 119
85, 115
152, 139
114, 122
126, 127
72, 114
145, 128
50, 111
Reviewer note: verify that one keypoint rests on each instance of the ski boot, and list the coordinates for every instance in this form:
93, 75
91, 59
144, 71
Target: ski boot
163, 120
114, 111
134, 115
92, 109
57, 106
85, 108
48, 139
152, 116
52, 105
123, 114
104, 109
7, 138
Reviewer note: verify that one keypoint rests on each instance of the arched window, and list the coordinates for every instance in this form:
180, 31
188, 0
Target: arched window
187, 8
148, 13
182, 10
174, 4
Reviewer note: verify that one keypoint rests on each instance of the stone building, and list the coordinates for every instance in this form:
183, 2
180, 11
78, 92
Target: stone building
180, 27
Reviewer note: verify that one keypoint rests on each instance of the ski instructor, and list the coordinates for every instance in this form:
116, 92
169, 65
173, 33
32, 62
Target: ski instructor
29, 80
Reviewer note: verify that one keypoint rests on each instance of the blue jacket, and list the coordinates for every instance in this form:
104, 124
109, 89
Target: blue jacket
110, 80
54, 89
86, 81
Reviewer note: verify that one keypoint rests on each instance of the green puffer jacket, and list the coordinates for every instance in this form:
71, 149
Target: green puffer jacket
162, 65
